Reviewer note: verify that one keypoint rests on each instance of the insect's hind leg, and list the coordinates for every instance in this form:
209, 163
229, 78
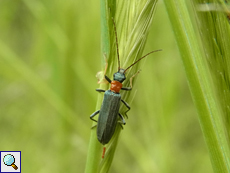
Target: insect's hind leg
127, 105
121, 122
93, 115
122, 118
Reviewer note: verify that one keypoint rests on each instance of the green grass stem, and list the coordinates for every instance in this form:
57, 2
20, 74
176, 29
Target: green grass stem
200, 84
132, 20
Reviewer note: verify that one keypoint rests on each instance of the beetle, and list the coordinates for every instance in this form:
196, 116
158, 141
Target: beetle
109, 112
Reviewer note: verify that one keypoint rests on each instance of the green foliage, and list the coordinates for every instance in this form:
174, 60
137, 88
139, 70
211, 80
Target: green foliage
211, 45
49, 56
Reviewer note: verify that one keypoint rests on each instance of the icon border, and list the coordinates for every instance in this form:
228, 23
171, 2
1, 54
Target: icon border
20, 161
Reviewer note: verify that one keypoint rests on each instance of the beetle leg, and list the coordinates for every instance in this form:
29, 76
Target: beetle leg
100, 90
127, 105
120, 123
107, 78
126, 88
93, 115
122, 118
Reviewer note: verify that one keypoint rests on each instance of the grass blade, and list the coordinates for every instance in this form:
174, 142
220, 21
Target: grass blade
200, 83
133, 20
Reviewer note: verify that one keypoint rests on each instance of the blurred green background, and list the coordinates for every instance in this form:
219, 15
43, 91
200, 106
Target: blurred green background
49, 56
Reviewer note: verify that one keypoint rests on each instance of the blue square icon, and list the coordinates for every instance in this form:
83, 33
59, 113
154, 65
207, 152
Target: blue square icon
10, 161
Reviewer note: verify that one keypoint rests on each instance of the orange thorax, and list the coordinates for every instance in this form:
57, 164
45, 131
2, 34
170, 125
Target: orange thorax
115, 86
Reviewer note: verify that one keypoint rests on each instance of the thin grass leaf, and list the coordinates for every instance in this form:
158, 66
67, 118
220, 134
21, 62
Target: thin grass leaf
40, 86
95, 148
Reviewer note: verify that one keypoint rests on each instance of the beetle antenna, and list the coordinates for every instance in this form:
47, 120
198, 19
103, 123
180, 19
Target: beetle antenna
141, 59
115, 29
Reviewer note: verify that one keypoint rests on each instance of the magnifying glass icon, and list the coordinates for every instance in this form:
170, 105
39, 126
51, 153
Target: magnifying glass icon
9, 160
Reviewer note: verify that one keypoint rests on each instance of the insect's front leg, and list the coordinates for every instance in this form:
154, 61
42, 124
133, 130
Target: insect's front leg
107, 78
127, 105
131, 82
